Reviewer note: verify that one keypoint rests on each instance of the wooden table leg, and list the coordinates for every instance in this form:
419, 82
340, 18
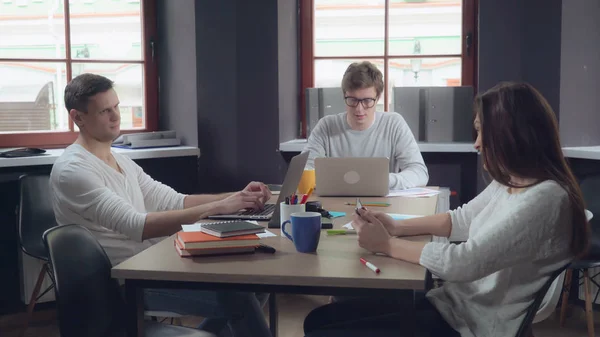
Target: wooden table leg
135, 310
273, 314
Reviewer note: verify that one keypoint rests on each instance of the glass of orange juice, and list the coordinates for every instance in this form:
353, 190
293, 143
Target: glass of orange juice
307, 182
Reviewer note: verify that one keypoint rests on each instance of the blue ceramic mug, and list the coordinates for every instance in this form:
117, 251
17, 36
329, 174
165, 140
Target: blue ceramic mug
306, 231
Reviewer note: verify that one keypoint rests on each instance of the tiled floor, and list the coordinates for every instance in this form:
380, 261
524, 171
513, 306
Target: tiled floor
293, 309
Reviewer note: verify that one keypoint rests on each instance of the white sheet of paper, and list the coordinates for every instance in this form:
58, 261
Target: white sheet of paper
417, 192
266, 234
196, 228
191, 228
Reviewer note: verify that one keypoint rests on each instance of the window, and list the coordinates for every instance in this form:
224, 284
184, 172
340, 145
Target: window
45, 43
413, 42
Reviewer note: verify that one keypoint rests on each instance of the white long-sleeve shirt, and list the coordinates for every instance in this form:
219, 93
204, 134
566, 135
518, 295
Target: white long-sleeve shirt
112, 205
389, 136
515, 243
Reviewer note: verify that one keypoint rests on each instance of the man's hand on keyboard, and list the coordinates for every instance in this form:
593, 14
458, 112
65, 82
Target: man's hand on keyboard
241, 200
256, 186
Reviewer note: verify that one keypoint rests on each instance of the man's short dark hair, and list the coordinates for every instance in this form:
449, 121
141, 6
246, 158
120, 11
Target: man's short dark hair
82, 87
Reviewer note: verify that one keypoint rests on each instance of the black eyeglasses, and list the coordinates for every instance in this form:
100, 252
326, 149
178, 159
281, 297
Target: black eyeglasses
366, 102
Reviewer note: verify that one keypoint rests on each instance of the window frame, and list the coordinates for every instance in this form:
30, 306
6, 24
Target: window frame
56, 139
307, 48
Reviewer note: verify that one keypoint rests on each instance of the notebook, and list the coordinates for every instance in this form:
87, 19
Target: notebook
200, 240
225, 229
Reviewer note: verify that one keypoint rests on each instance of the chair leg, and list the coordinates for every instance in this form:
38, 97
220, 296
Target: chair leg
177, 321
565, 296
588, 303
34, 296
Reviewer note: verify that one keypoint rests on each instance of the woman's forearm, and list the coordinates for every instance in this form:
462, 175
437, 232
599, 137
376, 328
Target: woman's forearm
438, 225
406, 250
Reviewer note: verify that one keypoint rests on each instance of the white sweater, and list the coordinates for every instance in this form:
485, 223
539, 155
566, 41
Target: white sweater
389, 136
113, 206
515, 243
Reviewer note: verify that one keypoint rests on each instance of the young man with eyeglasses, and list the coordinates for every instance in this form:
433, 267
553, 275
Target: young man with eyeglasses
362, 131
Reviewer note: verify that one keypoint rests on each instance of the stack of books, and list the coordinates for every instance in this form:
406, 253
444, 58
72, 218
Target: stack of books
228, 237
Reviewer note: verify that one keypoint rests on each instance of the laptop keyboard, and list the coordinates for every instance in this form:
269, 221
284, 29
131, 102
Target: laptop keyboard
269, 208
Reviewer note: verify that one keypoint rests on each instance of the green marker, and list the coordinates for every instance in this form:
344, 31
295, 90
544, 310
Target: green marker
340, 231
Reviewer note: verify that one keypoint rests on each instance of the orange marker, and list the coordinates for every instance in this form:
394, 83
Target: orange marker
309, 192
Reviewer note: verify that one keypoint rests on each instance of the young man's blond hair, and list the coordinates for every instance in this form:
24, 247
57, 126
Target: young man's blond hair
361, 75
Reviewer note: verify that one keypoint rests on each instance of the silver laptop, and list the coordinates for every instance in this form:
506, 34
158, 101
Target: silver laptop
271, 211
352, 176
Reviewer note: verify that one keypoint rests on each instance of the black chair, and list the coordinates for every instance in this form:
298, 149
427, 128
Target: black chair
590, 188
89, 301
35, 215
525, 330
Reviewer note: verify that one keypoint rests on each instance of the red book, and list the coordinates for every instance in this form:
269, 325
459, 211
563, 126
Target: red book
200, 240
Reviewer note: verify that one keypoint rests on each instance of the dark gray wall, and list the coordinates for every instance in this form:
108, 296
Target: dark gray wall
541, 45
580, 73
289, 70
520, 40
239, 88
500, 29
216, 64
259, 88
229, 84
176, 51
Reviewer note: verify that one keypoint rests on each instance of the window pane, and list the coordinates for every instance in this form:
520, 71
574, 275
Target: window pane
424, 72
129, 86
31, 97
106, 29
32, 29
428, 28
349, 28
329, 73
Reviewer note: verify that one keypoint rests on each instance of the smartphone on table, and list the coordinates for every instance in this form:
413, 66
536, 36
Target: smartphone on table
358, 206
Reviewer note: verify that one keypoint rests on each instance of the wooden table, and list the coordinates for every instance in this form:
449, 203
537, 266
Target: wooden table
334, 269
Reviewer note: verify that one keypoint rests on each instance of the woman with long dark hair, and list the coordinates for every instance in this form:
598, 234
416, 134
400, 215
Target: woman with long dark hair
529, 222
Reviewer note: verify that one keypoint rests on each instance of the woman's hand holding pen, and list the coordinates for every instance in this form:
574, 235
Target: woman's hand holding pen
372, 234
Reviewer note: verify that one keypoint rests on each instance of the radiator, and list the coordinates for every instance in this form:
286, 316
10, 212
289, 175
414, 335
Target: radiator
591, 272
30, 269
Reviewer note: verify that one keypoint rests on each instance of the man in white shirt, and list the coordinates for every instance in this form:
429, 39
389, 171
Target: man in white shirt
128, 211
363, 132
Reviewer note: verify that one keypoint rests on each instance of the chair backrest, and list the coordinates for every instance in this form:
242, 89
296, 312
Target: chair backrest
524, 329
88, 299
590, 188
35, 213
